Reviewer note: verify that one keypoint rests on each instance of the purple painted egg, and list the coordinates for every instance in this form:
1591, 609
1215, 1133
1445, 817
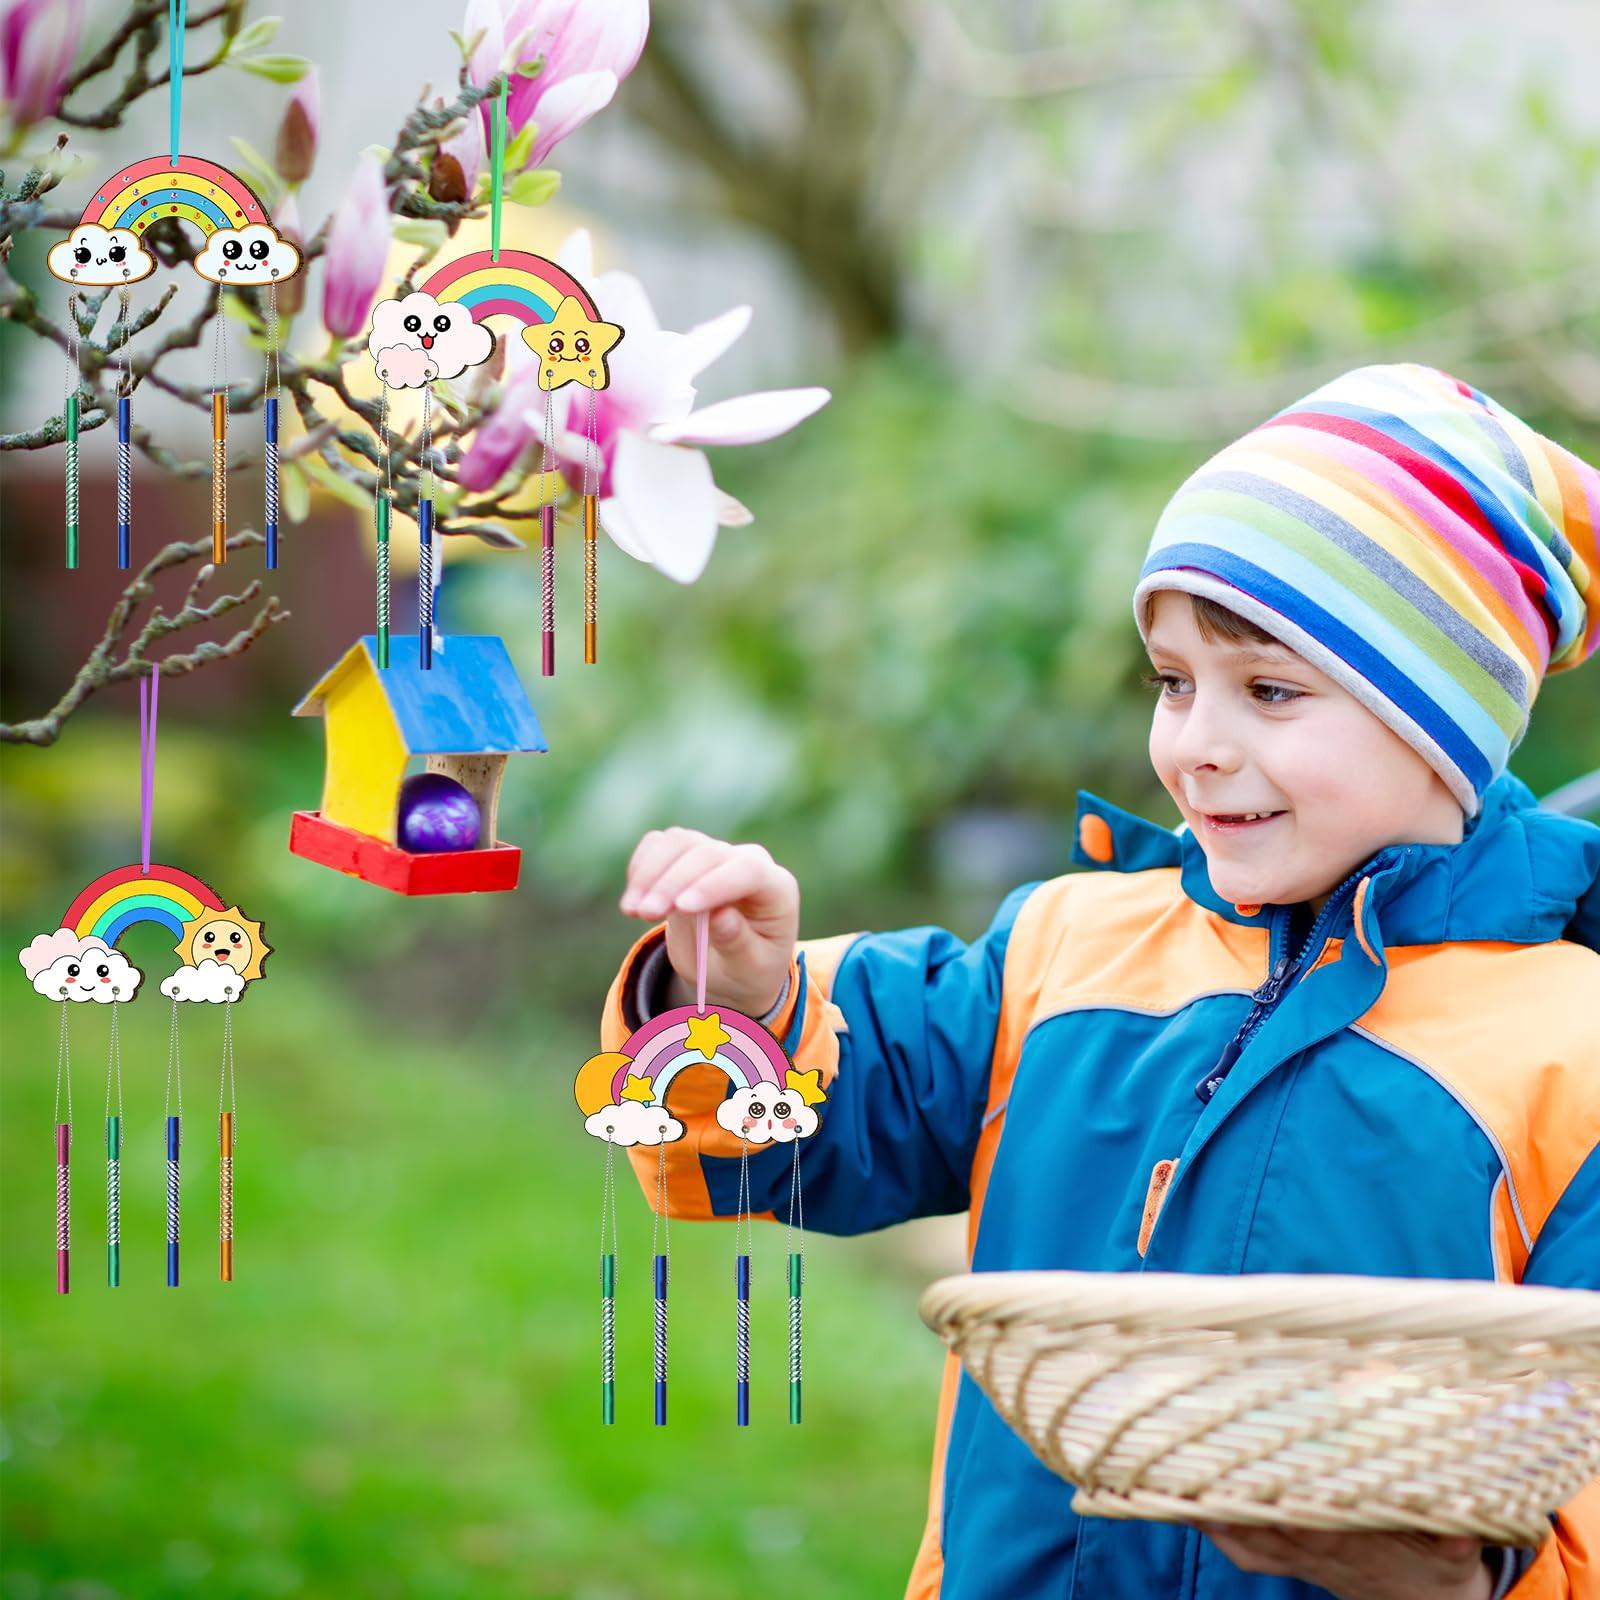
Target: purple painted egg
437, 813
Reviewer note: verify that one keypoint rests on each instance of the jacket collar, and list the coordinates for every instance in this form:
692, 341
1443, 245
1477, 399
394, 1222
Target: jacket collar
1519, 875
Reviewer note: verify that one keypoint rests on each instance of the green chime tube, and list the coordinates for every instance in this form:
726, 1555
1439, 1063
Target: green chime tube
72, 480
608, 1338
383, 580
113, 1201
795, 1276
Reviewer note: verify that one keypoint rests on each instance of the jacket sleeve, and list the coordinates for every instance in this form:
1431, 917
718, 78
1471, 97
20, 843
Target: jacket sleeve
902, 1028
1566, 1255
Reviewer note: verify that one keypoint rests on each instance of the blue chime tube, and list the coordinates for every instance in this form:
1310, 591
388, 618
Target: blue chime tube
173, 1124
425, 584
124, 482
270, 410
742, 1351
661, 1341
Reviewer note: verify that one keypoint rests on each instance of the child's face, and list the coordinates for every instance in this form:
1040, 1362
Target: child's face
1250, 727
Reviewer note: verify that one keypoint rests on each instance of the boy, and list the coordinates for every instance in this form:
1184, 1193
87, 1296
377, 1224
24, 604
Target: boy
1340, 1020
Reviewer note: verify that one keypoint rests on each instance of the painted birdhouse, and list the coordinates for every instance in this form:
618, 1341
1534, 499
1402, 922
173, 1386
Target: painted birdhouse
465, 715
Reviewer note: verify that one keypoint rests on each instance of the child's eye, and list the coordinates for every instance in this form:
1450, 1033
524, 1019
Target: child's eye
1274, 694
1168, 684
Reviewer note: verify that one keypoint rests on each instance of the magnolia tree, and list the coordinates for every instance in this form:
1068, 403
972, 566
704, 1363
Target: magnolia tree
562, 61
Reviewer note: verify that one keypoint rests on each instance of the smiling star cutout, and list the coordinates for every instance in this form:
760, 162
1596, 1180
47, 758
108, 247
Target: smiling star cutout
572, 347
707, 1035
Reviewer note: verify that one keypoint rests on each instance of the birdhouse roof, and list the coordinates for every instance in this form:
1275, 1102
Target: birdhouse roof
470, 702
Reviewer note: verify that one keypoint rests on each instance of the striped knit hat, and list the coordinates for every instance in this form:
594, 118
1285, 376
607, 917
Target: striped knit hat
1413, 540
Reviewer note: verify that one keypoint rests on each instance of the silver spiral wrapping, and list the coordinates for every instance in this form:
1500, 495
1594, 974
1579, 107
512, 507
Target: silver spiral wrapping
113, 1201
272, 479
661, 1341
124, 482
383, 583
794, 1338
742, 1359
425, 587
63, 1206
72, 482
608, 1339
172, 1202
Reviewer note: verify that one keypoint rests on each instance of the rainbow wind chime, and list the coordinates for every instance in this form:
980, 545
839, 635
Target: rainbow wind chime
221, 953
436, 332
623, 1097
106, 250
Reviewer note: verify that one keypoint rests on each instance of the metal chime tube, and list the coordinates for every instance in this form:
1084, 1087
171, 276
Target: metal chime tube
124, 481
742, 1336
72, 479
219, 477
225, 1194
173, 1127
661, 1340
425, 584
270, 413
383, 580
796, 1274
113, 1202
608, 1338
591, 571
547, 573
63, 1205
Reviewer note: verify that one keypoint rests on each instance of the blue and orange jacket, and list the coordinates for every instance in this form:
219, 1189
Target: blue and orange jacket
1127, 1073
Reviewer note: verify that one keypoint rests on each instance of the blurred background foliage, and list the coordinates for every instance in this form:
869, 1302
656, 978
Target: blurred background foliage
1047, 256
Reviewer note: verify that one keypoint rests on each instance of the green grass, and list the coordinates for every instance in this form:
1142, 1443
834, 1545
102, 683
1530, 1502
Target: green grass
399, 1394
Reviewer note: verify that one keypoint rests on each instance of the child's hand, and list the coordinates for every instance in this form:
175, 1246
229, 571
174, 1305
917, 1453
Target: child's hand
755, 914
1361, 1566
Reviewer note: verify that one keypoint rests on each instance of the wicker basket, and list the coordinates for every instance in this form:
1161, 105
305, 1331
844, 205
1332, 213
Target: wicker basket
1312, 1402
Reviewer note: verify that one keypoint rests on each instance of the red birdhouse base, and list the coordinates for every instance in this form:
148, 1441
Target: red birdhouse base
359, 855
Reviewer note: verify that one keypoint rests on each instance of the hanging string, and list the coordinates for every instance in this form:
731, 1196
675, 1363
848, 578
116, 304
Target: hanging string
227, 1111
124, 438
702, 943
547, 539
745, 1225
114, 1151
794, 1243
149, 694
174, 1139
177, 22
608, 1287
381, 512
70, 418
270, 419
219, 438
497, 169
63, 1156
425, 578
591, 509
662, 1257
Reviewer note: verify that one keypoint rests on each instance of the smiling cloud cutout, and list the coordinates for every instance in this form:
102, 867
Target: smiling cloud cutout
249, 256
634, 1122
212, 981
447, 335
64, 967
100, 257
767, 1114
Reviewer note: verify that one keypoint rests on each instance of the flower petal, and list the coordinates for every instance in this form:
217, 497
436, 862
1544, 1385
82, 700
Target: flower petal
669, 504
708, 340
746, 419
577, 255
732, 513
565, 107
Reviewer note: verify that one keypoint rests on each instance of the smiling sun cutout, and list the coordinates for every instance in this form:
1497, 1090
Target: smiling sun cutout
572, 347
227, 936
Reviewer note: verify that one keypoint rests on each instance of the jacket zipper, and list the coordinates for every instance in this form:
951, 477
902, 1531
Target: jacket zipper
1272, 991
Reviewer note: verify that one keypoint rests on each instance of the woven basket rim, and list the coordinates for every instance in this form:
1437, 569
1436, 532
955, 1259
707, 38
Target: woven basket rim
1312, 1304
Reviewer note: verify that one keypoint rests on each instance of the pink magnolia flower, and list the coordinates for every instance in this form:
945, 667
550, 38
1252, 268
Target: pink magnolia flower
657, 498
585, 47
499, 441
297, 132
38, 39
467, 147
356, 261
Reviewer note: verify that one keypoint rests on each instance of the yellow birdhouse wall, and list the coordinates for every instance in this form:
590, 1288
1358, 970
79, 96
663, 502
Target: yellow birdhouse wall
366, 757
